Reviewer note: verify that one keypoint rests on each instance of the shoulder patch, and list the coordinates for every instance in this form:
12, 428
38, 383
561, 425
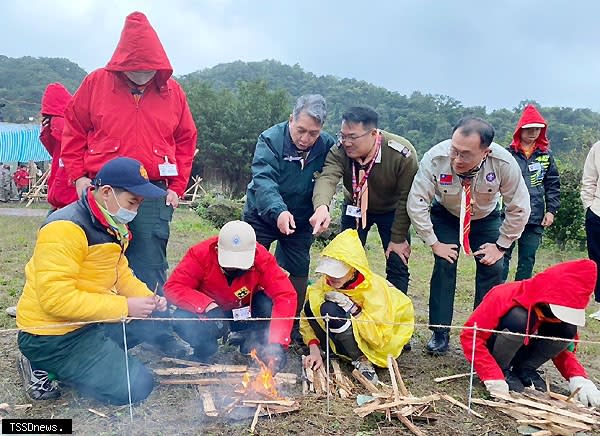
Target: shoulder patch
403, 149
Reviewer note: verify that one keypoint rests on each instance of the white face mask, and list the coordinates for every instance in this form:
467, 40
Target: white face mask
140, 77
123, 216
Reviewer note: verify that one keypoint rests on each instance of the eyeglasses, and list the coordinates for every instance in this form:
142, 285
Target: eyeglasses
351, 138
465, 156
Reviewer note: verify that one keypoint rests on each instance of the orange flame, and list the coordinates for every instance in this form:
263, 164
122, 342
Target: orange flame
263, 383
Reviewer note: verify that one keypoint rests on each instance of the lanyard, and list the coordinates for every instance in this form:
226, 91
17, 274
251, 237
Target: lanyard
358, 186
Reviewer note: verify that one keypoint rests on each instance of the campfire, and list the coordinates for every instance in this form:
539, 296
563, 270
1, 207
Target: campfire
263, 383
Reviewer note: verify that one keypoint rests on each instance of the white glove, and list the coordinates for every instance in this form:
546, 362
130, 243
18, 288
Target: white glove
342, 300
496, 386
589, 395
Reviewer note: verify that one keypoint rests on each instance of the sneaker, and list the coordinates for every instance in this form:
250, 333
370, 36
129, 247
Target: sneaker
595, 315
12, 311
366, 368
39, 385
530, 378
513, 382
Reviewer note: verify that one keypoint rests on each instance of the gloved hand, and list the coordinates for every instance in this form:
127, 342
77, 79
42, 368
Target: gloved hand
589, 395
496, 387
219, 329
343, 301
274, 356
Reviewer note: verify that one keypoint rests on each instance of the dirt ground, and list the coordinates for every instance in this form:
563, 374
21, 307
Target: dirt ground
177, 410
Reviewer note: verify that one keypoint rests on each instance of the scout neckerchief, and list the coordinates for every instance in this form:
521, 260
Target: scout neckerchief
360, 187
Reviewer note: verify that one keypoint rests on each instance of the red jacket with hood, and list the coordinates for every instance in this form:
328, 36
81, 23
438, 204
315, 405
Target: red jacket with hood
531, 115
568, 284
198, 281
54, 101
106, 120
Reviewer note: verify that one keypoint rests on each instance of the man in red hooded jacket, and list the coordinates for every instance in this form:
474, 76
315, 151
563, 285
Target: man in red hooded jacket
231, 276
530, 148
134, 108
54, 101
550, 304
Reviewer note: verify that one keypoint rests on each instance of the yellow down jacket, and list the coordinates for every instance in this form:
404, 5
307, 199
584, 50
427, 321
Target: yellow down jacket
386, 321
78, 272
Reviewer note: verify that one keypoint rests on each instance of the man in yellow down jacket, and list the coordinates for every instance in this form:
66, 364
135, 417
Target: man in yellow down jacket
372, 318
78, 273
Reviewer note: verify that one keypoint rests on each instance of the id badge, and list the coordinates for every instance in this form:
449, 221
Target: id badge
353, 211
241, 313
536, 166
167, 169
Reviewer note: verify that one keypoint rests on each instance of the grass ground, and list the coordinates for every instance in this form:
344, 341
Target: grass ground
177, 410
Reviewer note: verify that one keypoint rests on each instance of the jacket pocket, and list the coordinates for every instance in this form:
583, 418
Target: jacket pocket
106, 146
160, 151
449, 193
486, 192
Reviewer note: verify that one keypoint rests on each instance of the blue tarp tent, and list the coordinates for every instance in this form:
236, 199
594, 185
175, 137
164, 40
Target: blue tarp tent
21, 143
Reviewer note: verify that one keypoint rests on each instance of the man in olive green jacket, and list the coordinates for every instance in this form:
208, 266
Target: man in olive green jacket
377, 168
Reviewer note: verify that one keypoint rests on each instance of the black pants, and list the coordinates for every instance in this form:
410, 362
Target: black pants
203, 335
92, 360
340, 330
592, 229
528, 243
443, 279
396, 271
511, 350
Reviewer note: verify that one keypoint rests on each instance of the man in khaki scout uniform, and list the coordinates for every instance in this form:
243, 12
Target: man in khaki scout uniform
377, 168
453, 202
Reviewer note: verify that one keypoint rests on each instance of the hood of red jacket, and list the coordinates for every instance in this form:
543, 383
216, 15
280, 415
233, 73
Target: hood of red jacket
531, 115
55, 99
569, 284
140, 49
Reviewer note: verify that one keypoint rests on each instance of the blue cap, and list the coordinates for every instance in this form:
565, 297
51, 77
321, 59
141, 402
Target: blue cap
130, 175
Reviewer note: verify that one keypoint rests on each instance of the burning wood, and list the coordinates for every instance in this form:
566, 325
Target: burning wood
551, 413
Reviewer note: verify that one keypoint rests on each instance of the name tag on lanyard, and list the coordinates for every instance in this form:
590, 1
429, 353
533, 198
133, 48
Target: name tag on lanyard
353, 211
241, 313
167, 169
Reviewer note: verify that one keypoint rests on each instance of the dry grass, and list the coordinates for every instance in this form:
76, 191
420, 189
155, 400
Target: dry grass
177, 409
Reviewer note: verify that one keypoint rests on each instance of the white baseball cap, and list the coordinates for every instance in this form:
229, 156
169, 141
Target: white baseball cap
568, 314
532, 125
237, 245
332, 267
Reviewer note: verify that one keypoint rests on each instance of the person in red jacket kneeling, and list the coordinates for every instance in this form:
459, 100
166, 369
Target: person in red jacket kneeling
551, 304
231, 276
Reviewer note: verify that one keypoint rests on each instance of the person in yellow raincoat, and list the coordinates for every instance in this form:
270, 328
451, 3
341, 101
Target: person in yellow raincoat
373, 318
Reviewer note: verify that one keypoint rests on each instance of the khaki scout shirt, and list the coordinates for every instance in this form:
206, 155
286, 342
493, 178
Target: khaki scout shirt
499, 175
590, 181
389, 182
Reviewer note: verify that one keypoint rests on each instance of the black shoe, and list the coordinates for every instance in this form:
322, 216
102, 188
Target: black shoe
38, 383
407, 347
529, 378
513, 382
169, 346
438, 344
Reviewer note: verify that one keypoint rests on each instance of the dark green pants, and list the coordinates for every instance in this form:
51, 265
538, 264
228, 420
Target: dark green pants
528, 244
443, 279
91, 359
147, 251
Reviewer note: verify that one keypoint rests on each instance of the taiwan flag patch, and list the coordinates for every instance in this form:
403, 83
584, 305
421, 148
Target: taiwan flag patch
445, 179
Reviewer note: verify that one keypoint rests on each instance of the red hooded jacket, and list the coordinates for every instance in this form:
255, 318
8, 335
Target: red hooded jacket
568, 284
198, 281
106, 120
531, 115
54, 101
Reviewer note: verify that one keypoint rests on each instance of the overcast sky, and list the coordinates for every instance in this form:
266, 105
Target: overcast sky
489, 53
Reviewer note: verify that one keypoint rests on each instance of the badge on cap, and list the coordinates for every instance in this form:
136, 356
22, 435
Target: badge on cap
236, 240
143, 172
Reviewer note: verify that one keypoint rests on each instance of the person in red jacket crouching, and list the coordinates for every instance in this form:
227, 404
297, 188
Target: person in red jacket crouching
550, 304
231, 276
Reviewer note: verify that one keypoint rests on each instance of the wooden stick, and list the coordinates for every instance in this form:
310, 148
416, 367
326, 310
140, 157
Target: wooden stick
409, 425
209, 405
390, 366
575, 392
451, 377
337, 372
578, 416
365, 382
203, 370
377, 406
401, 384
287, 403
304, 378
255, 419
454, 401
95, 412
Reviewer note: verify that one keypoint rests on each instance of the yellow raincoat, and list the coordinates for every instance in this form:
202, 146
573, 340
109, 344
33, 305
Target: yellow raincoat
381, 303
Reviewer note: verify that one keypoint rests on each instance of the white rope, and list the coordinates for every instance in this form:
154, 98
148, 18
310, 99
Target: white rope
472, 368
123, 322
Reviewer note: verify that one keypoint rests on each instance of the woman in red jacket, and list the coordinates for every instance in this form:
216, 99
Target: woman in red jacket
552, 304
233, 277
